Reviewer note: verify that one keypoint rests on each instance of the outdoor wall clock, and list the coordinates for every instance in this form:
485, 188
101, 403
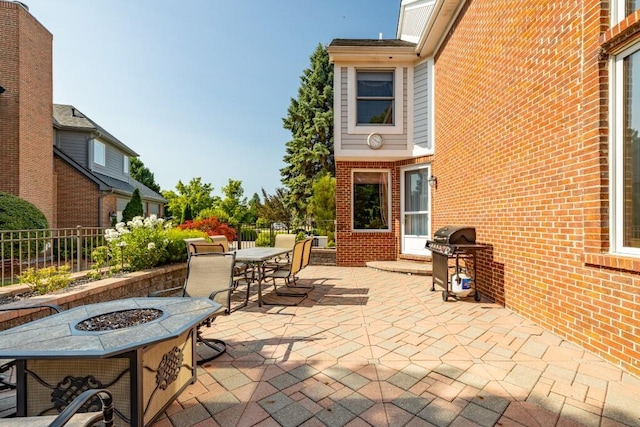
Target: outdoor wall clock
374, 141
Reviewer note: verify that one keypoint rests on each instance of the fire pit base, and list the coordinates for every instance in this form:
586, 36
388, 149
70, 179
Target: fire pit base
157, 374
145, 366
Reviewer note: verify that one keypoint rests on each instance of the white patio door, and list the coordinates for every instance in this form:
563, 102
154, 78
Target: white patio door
416, 209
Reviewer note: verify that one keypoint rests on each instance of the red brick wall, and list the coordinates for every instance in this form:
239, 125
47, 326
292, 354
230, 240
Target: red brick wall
77, 198
26, 108
357, 247
521, 154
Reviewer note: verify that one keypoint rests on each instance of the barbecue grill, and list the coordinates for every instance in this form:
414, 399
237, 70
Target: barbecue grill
453, 250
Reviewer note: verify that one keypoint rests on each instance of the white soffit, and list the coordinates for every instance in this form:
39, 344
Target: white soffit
425, 22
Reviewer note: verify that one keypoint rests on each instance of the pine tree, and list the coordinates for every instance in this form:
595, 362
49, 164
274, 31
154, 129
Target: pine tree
187, 214
310, 119
133, 208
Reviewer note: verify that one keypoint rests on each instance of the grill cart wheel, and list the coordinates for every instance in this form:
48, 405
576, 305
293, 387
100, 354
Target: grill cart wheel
476, 296
445, 296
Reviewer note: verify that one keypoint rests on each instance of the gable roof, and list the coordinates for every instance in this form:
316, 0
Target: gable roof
106, 183
68, 117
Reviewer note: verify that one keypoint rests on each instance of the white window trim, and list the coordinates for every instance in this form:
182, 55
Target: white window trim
616, 161
389, 213
125, 164
97, 143
352, 92
617, 11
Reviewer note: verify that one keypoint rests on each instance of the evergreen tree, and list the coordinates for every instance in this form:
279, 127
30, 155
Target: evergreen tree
310, 119
142, 174
187, 214
133, 208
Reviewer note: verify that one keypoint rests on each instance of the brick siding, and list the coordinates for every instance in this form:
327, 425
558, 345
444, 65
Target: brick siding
78, 199
521, 154
26, 109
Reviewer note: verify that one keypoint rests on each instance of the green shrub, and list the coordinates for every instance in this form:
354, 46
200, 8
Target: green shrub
47, 279
133, 208
18, 214
176, 248
264, 239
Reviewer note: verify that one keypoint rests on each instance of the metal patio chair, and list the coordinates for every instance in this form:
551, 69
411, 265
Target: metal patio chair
282, 240
209, 275
288, 273
7, 367
88, 409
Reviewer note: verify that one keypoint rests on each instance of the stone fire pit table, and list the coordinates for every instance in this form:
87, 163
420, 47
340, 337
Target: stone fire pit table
145, 366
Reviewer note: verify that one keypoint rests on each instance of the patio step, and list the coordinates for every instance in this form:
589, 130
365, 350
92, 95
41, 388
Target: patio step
422, 268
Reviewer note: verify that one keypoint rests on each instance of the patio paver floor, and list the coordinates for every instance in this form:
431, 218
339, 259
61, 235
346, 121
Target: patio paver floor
376, 348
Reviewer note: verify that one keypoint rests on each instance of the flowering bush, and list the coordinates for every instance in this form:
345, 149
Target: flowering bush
137, 245
211, 226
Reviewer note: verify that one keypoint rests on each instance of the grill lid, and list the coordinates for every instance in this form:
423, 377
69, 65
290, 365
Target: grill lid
455, 234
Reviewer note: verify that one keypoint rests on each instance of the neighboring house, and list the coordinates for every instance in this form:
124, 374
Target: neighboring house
74, 171
89, 158
527, 113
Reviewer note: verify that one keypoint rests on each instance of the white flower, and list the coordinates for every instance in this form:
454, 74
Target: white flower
120, 226
151, 246
122, 244
136, 222
111, 234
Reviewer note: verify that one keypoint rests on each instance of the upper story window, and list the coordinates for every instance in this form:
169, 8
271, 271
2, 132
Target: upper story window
99, 153
125, 165
625, 152
375, 98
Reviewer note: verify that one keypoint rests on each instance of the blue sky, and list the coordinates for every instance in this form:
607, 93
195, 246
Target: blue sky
198, 88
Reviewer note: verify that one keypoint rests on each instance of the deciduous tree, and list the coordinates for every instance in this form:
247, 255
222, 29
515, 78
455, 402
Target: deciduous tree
142, 174
196, 193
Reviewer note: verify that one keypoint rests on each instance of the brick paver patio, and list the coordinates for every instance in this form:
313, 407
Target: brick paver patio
375, 348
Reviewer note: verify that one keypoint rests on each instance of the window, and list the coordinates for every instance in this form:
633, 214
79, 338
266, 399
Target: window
99, 153
622, 9
625, 164
371, 200
375, 97
125, 165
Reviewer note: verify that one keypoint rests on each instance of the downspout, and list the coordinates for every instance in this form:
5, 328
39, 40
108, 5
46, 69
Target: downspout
103, 194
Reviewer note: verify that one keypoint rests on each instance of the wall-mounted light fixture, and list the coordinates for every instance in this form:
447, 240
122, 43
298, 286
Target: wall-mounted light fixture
433, 181
2, 89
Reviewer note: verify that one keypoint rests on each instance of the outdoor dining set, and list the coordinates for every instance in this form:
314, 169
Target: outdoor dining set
90, 361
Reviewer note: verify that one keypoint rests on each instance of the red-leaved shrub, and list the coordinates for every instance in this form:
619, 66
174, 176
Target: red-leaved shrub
212, 226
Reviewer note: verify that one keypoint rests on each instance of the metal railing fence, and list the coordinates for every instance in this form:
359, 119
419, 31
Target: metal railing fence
23, 249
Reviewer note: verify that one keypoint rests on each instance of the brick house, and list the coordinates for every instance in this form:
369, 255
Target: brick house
54, 156
525, 113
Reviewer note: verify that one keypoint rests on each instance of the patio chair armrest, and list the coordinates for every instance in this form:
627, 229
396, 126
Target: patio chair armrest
213, 294
53, 307
107, 407
161, 292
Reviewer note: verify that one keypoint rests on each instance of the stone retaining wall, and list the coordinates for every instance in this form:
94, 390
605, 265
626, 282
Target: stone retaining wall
320, 256
136, 284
